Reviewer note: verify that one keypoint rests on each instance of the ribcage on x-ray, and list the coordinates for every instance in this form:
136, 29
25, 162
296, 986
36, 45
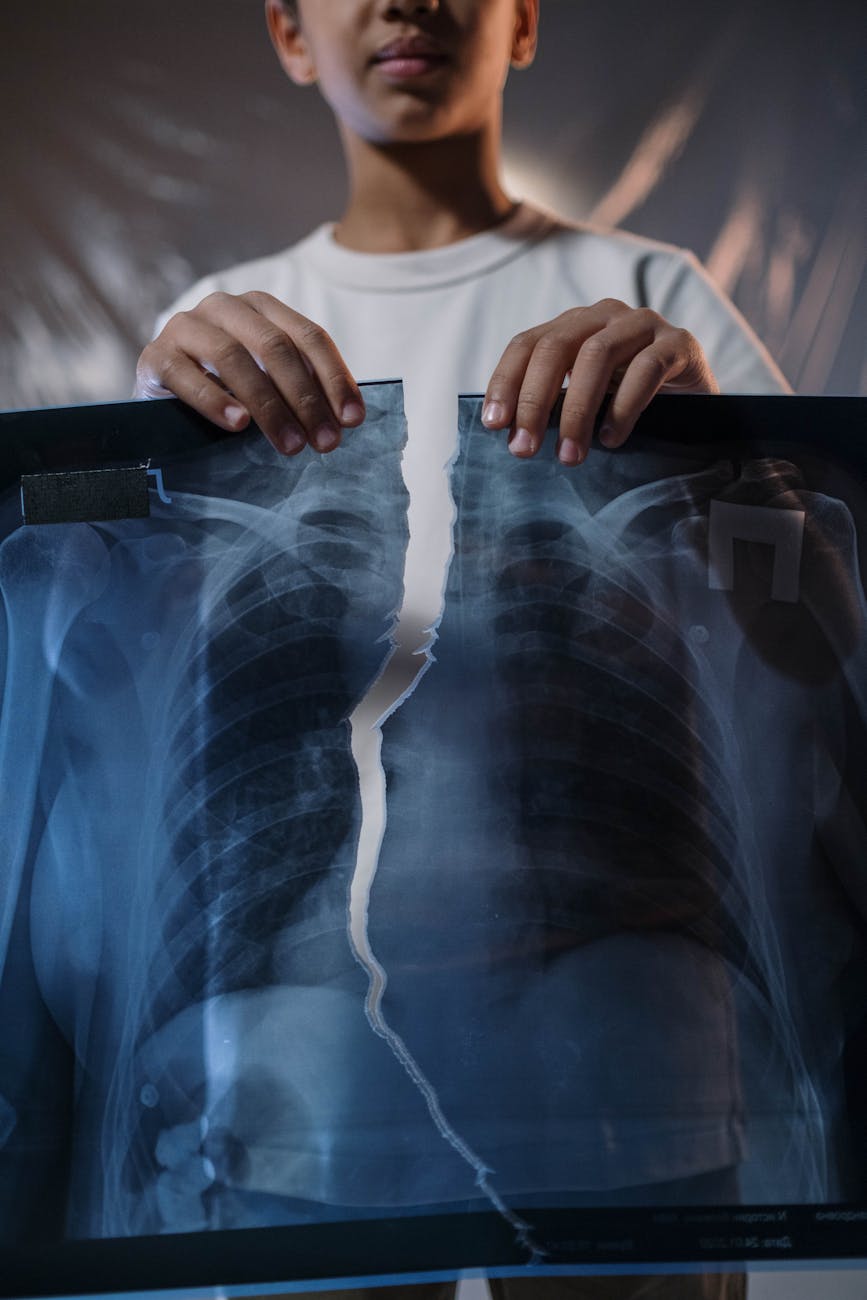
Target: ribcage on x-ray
608, 750
260, 790
567, 699
296, 580
262, 803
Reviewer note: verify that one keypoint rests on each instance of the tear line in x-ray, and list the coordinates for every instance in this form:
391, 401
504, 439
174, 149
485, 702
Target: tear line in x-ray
396, 682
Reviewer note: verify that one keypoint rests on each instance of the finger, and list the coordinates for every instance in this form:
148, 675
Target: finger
319, 349
602, 359
166, 370
673, 358
263, 365
507, 386
552, 358
501, 395
199, 360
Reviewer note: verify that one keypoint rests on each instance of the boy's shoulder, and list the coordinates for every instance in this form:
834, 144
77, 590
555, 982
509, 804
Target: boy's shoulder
597, 261
610, 242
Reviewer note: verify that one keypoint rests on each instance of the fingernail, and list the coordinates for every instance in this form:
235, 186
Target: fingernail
291, 441
324, 438
569, 452
495, 414
235, 414
352, 413
608, 435
523, 443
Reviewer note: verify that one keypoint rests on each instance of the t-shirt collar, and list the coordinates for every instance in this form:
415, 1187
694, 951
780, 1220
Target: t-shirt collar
432, 268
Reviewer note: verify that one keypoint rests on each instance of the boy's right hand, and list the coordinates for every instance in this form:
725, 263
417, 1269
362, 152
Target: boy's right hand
233, 358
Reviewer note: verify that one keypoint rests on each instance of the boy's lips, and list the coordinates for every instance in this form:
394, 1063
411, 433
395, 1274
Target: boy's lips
410, 56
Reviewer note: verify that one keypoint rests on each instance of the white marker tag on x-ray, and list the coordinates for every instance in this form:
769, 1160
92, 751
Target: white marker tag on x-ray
782, 529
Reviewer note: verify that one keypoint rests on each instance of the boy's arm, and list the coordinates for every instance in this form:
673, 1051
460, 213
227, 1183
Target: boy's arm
237, 357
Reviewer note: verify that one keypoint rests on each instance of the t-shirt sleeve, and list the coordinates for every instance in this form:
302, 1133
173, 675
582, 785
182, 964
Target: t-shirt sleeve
680, 289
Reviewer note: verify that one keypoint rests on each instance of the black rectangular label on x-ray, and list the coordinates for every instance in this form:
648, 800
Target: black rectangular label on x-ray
85, 496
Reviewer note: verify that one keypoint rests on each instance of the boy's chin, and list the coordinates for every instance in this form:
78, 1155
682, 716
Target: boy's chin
416, 123
407, 116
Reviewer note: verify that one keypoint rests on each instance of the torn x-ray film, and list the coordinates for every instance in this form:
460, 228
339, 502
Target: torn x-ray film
565, 910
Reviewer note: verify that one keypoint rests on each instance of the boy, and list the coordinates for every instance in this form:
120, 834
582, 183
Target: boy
435, 275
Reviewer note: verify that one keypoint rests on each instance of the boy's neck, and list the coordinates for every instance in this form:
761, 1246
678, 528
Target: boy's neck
406, 198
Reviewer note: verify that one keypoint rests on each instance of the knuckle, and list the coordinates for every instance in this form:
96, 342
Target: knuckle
255, 298
553, 344
273, 345
312, 334
596, 349
226, 355
613, 305
650, 318
653, 366
212, 301
175, 322
204, 395
270, 411
498, 385
308, 403
578, 417
167, 372
532, 400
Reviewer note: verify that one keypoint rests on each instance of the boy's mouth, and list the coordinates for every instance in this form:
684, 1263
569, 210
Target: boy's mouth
410, 57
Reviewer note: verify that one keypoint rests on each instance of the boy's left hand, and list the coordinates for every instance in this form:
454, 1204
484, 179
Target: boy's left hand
609, 345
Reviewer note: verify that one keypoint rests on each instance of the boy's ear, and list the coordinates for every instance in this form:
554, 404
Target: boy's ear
526, 33
288, 40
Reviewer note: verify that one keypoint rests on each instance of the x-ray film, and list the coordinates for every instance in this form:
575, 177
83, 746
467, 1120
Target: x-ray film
542, 946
